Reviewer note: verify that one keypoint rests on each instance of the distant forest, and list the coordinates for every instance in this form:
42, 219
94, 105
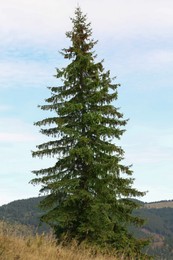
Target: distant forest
158, 226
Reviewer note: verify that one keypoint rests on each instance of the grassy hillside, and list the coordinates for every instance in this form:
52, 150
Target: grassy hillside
158, 226
18, 243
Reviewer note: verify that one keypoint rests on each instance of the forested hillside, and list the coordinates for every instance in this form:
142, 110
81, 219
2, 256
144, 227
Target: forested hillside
158, 226
25, 212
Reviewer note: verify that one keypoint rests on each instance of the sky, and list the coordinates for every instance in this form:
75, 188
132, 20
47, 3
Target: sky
134, 39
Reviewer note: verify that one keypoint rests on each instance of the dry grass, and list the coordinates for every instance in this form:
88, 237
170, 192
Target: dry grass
18, 243
159, 205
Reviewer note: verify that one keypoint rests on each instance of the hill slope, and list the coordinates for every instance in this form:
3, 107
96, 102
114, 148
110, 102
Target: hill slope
158, 226
26, 212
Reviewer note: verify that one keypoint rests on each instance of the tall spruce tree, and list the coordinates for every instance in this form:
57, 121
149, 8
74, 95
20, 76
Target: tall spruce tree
88, 196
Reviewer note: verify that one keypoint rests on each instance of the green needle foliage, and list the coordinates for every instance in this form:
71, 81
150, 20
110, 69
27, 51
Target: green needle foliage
88, 197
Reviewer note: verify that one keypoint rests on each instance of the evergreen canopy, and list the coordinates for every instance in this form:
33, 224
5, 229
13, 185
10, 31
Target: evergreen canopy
88, 189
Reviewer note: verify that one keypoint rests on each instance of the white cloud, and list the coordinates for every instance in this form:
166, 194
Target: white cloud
152, 59
14, 137
43, 24
45, 20
160, 57
156, 192
15, 73
15, 191
148, 145
15, 130
32, 20
141, 61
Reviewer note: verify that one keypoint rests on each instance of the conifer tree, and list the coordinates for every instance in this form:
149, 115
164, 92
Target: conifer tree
88, 188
